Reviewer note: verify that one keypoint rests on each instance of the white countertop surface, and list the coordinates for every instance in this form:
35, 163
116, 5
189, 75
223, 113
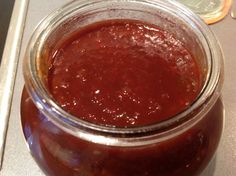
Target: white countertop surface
17, 160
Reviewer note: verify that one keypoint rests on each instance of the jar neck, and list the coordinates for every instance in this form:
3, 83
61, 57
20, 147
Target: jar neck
35, 81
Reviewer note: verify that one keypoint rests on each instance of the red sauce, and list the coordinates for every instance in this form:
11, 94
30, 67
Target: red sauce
61, 154
123, 73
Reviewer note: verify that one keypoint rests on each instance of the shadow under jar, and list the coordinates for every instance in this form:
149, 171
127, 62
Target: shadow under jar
65, 145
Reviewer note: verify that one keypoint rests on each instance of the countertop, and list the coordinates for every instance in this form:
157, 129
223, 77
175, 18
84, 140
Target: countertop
17, 160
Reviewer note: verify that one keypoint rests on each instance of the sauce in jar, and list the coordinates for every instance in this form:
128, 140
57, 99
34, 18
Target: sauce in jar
121, 73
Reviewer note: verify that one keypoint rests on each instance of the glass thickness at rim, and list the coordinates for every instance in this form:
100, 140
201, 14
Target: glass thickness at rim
44, 102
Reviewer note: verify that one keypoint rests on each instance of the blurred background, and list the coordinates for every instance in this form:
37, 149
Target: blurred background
6, 7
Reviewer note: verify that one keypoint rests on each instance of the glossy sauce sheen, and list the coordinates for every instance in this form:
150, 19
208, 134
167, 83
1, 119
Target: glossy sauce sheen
123, 73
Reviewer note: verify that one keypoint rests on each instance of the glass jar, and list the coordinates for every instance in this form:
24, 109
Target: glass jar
210, 10
64, 145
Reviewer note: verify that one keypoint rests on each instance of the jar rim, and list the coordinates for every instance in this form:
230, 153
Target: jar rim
72, 124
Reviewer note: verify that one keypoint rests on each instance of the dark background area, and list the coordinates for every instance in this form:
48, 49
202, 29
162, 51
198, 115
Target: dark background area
6, 7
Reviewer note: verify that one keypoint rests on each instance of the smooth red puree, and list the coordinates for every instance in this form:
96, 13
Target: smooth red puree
123, 73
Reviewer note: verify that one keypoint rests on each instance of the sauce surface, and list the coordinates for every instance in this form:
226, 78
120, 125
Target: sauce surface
123, 73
